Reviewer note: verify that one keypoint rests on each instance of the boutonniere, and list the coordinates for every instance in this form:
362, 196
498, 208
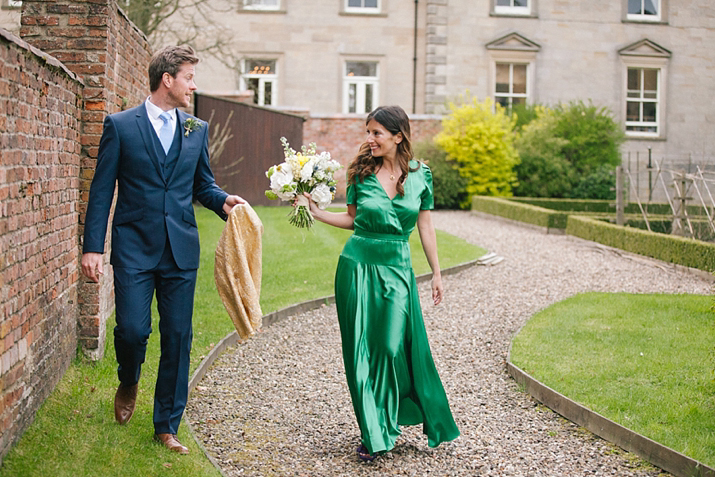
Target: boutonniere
191, 124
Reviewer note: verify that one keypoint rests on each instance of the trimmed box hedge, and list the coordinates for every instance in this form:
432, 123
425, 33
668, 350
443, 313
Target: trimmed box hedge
520, 211
603, 206
668, 248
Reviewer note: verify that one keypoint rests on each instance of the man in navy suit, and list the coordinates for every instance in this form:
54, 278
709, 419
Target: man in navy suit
158, 157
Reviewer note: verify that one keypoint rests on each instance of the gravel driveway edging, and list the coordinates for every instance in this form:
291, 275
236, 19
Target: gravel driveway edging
657, 454
232, 338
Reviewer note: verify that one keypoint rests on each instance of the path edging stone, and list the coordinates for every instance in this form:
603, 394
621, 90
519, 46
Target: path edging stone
657, 454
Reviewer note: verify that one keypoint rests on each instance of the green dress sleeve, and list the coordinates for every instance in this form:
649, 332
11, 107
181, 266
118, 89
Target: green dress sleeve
351, 195
427, 195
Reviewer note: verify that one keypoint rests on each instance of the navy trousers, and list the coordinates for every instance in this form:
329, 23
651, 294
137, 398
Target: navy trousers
174, 289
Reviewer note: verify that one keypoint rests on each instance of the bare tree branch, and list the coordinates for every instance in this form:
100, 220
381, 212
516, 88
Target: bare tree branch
194, 22
217, 143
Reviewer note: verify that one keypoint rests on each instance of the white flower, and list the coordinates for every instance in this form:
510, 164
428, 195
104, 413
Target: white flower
322, 195
332, 165
307, 171
304, 171
282, 182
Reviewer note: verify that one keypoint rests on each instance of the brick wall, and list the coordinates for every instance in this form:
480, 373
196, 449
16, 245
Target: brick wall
87, 60
342, 136
40, 103
97, 41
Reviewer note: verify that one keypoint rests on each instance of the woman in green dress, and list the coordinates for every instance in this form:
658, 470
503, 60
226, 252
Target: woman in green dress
388, 364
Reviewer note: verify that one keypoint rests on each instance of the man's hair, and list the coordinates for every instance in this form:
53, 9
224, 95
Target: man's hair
169, 60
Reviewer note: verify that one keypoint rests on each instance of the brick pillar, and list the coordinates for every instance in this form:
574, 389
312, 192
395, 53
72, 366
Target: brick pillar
96, 41
436, 63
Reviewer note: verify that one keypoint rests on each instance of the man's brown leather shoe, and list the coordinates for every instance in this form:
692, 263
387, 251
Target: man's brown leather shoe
171, 442
124, 402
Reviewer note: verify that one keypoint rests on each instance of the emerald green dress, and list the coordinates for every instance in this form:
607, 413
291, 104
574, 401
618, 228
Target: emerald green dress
388, 364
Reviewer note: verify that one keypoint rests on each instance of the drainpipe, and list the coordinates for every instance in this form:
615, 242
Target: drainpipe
414, 66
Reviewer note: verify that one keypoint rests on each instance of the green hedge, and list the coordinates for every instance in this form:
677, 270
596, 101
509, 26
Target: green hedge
516, 210
662, 224
669, 248
603, 206
569, 205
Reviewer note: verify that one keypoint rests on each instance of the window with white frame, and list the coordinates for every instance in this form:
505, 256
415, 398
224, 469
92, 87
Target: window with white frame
261, 4
513, 7
644, 10
260, 77
360, 86
512, 69
362, 6
644, 84
642, 101
510, 84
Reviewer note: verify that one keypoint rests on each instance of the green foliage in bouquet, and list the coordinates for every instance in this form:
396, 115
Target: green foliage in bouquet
568, 152
450, 188
478, 136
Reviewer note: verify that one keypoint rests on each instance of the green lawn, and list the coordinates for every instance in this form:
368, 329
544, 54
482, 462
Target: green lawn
643, 361
74, 433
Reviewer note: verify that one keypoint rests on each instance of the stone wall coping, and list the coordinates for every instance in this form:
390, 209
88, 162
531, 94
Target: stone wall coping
49, 59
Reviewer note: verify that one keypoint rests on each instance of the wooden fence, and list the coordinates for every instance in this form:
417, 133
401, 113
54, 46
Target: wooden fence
252, 143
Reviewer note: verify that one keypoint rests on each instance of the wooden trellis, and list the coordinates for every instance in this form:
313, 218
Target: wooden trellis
681, 188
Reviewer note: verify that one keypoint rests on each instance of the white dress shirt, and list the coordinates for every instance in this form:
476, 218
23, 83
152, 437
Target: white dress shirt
154, 111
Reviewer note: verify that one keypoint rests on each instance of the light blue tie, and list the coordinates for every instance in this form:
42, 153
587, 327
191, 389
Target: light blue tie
165, 134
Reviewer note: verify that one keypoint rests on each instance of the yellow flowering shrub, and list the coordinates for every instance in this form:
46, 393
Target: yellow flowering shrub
478, 136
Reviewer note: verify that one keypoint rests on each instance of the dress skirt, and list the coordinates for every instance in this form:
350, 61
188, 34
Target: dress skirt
388, 364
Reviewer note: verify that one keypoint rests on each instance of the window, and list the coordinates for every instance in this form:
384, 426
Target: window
642, 100
260, 77
512, 70
645, 76
14, 3
362, 6
360, 86
511, 84
261, 4
644, 10
513, 7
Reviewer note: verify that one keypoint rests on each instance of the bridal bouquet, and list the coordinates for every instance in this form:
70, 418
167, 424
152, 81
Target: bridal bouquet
304, 171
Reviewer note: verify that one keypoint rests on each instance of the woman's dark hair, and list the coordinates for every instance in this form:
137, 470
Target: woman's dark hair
395, 120
169, 60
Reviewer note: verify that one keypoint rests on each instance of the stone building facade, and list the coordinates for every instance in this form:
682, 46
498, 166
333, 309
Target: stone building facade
653, 67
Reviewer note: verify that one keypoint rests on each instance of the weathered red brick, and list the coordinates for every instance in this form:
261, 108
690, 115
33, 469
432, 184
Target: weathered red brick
48, 163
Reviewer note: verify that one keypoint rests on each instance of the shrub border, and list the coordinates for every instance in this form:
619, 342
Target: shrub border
667, 248
553, 220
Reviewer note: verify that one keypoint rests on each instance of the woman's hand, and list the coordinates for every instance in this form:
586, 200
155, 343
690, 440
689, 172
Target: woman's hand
343, 220
437, 289
313, 206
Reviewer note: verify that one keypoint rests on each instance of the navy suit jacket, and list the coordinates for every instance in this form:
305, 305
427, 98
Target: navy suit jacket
150, 206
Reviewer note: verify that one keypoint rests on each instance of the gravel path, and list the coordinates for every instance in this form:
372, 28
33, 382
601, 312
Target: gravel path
278, 404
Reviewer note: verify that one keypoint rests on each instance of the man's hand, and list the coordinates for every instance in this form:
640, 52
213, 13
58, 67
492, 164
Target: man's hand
92, 266
231, 202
